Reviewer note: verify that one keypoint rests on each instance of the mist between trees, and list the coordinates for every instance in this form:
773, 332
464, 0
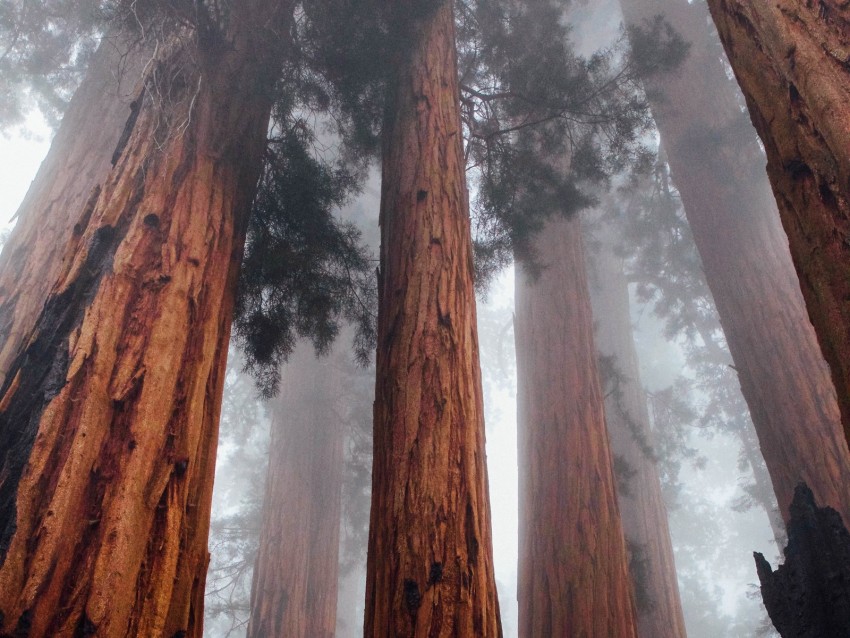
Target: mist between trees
251, 260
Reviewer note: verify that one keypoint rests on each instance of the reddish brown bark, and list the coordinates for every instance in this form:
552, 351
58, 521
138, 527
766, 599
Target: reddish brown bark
573, 567
295, 578
792, 60
108, 417
430, 570
77, 165
642, 508
715, 162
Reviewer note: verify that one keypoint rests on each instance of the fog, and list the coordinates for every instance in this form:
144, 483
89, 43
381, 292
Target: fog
294, 470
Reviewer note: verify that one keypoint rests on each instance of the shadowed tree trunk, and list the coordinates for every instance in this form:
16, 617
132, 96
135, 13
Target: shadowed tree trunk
791, 60
642, 508
109, 415
295, 577
573, 566
716, 164
809, 595
430, 570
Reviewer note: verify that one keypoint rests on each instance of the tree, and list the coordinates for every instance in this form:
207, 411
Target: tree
714, 162
429, 568
295, 577
110, 407
573, 573
790, 59
642, 509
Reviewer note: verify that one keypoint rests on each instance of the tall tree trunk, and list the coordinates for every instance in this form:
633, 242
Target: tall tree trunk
792, 61
429, 570
109, 416
642, 508
715, 162
573, 567
295, 578
73, 172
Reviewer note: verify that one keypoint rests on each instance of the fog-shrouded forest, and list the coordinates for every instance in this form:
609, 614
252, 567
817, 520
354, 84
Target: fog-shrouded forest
522, 318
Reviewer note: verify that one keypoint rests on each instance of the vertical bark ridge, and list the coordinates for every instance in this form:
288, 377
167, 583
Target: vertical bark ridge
573, 566
69, 180
715, 162
111, 505
792, 61
430, 570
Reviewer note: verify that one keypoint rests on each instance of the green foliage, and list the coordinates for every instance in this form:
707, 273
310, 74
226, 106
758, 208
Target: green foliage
303, 271
44, 48
541, 122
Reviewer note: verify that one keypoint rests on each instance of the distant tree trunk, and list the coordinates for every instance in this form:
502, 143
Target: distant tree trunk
716, 163
109, 415
430, 569
74, 171
642, 508
573, 566
791, 60
295, 578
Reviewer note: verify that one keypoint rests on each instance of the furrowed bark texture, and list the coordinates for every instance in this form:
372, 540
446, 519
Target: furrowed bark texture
295, 578
716, 165
109, 416
642, 508
430, 570
573, 566
73, 172
792, 60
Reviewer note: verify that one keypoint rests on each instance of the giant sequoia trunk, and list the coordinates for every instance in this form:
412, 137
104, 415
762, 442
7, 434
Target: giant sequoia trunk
792, 60
715, 162
295, 578
430, 570
109, 412
77, 165
573, 567
642, 508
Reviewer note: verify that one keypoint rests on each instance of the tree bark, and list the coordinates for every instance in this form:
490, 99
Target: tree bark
715, 162
109, 414
429, 570
73, 172
573, 566
809, 596
294, 593
792, 61
642, 509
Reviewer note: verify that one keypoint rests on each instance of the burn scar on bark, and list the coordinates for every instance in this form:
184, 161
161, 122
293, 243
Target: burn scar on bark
39, 373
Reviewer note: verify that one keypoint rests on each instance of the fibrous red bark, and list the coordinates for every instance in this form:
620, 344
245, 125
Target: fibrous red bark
716, 164
430, 570
792, 60
573, 565
109, 411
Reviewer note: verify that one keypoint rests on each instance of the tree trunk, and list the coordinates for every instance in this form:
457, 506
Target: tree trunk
642, 508
715, 162
573, 567
109, 415
73, 172
294, 592
430, 570
809, 596
792, 62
